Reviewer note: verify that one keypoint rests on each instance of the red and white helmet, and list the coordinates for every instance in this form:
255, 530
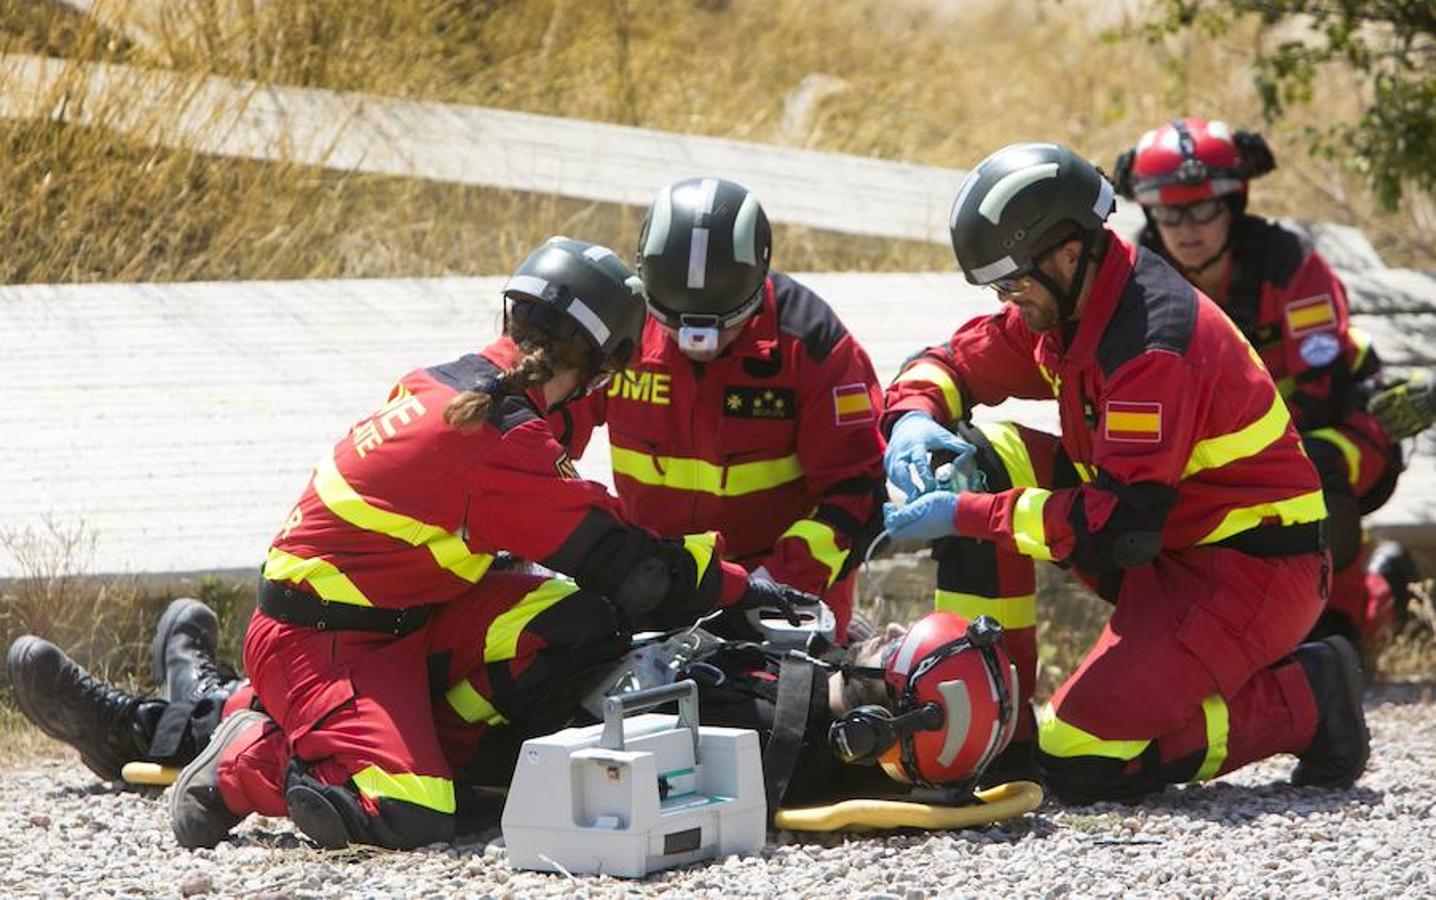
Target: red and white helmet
953, 704
1190, 160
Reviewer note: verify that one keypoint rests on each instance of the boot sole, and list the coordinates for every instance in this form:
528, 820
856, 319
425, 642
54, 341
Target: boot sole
163, 632
15, 661
316, 817
217, 742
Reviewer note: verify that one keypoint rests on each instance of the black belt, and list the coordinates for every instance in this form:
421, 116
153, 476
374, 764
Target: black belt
295, 607
1278, 540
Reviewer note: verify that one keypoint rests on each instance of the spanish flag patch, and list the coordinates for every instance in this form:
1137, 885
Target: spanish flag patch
1310, 314
1128, 421
852, 405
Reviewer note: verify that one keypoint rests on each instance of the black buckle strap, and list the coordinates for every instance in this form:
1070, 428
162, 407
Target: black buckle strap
295, 607
1278, 540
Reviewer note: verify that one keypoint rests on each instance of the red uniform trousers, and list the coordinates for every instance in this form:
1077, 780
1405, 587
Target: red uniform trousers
354, 714
1359, 466
1190, 678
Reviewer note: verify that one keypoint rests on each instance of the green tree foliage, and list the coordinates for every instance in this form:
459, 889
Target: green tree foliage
1388, 45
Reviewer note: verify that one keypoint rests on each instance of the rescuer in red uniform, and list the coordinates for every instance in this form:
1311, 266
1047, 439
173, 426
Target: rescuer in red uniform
382, 570
749, 409
1190, 176
1178, 489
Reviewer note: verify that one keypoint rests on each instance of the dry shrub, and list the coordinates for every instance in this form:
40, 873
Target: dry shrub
105, 623
98, 620
919, 85
1413, 650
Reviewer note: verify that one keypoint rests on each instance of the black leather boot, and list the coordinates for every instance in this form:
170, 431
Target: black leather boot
183, 664
109, 727
182, 656
1338, 751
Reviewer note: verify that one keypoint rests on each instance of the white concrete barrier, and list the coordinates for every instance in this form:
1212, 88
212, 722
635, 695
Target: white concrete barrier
178, 422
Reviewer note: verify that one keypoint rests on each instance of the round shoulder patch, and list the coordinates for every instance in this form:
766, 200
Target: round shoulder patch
1320, 349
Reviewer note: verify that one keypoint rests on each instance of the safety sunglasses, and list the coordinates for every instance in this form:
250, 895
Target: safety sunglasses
1012, 285
1019, 282
1199, 213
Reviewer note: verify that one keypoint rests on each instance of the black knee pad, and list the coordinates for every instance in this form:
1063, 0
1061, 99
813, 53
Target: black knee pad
1079, 780
332, 816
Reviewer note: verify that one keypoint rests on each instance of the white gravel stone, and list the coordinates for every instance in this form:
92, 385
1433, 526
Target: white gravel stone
1247, 835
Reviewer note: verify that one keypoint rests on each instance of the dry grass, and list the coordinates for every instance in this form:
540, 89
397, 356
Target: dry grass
104, 623
910, 84
1070, 617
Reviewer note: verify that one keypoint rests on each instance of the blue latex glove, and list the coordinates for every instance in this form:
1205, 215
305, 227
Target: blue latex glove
914, 438
925, 519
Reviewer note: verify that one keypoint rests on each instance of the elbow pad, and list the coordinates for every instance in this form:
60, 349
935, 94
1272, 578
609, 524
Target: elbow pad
1132, 536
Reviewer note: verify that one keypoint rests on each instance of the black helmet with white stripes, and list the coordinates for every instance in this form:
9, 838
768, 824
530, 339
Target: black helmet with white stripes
1014, 199
568, 287
703, 254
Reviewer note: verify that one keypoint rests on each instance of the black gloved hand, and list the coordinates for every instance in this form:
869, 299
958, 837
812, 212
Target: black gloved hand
764, 593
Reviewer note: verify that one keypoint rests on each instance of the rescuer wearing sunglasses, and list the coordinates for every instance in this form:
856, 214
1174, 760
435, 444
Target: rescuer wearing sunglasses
1191, 178
1177, 490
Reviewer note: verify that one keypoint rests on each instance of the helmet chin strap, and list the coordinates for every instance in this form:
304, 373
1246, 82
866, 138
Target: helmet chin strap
1192, 272
1067, 297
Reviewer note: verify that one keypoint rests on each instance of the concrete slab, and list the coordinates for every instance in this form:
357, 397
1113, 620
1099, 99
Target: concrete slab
177, 422
475, 145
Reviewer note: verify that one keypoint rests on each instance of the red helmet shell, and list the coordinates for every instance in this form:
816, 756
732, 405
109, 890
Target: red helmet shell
1187, 161
963, 687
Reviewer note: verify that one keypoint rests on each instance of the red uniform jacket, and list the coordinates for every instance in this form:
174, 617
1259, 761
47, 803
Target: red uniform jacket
1292, 308
409, 510
774, 444
1173, 424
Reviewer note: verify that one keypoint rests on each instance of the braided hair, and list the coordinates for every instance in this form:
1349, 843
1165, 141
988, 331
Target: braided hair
541, 357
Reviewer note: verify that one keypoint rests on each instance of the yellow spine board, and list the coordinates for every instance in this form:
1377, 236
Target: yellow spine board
149, 774
1001, 802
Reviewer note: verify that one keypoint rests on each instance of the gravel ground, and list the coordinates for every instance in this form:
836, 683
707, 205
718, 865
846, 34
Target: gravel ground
1248, 835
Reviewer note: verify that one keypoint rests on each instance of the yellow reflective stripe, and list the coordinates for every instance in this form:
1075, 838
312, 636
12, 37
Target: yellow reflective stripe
1028, 531
1007, 442
320, 574
1215, 452
1053, 381
683, 474
428, 791
1059, 738
1214, 709
502, 641
700, 547
1349, 450
1295, 511
1362, 340
1085, 472
471, 705
1010, 612
822, 543
937, 376
447, 548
